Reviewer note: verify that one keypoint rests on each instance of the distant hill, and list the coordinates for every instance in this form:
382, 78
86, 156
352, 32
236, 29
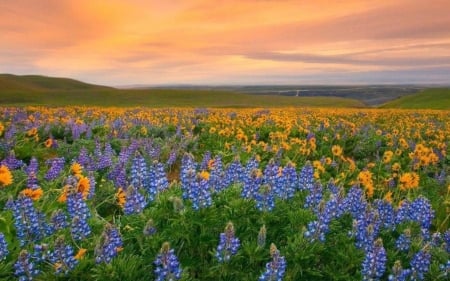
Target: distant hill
427, 99
10, 82
48, 91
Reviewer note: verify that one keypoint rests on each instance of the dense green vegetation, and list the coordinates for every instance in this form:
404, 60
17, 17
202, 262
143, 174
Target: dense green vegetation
429, 98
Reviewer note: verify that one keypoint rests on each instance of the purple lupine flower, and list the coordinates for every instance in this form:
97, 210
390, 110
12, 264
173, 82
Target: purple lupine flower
149, 228
92, 184
403, 213
109, 246
134, 201
420, 264
228, 244
374, 263
217, 176
205, 160
139, 172
421, 212
58, 220
276, 268
62, 257
252, 183
118, 175
265, 198
314, 197
355, 202
386, 213
234, 173
26, 219
291, 180
167, 265
172, 157
403, 242
12, 162
79, 214
104, 160
3, 247
56, 167
32, 170
398, 273
84, 159
24, 268
326, 212
306, 177
159, 180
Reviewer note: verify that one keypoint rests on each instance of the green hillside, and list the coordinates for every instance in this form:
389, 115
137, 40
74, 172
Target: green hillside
427, 99
43, 83
46, 91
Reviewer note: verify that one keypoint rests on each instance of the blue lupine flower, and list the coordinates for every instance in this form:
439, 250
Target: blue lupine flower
386, 213
446, 238
24, 268
172, 157
62, 257
403, 242
3, 247
134, 201
421, 212
314, 197
167, 265
40, 253
265, 198
157, 179
84, 159
217, 176
139, 172
252, 183
149, 228
420, 264
109, 246
32, 170
205, 160
79, 214
326, 212
56, 167
306, 177
290, 180
11, 161
228, 244
234, 173
276, 268
58, 220
398, 273
403, 213
355, 202
26, 219
104, 160
118, 175
374, 263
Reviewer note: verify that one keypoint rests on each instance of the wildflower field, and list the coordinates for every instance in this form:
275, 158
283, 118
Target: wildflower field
224, 194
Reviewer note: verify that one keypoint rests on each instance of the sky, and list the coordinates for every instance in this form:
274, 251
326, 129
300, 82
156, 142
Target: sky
228, 42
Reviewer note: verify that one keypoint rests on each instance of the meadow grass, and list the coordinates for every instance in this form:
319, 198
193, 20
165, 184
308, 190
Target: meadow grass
45, 91
429, 98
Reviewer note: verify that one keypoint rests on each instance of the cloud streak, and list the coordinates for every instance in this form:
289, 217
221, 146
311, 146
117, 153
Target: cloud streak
200, 41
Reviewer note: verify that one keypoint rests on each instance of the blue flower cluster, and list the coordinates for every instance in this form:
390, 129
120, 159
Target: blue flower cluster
228, 244
167, 265
276, 268
109, 246
79, 214
56, 167
62, 257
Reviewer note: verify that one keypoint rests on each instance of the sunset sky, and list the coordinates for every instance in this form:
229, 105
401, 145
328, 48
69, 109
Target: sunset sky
228, 42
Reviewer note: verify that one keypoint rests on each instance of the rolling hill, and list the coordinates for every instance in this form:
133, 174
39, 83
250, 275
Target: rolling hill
48, 91
438, 98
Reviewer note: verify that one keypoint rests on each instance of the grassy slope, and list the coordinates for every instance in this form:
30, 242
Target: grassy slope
39, 90
429, 98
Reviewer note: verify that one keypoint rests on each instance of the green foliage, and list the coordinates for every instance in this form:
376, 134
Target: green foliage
427, 99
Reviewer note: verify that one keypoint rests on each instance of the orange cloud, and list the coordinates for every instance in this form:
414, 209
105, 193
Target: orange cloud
193, 41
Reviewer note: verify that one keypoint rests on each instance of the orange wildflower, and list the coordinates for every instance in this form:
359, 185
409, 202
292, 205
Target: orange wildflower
34, 194
76, 169
48, 143
336, 150
6, 177
120, 196
80, 254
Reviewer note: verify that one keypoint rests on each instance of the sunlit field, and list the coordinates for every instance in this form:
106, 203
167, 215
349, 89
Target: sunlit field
224, 194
